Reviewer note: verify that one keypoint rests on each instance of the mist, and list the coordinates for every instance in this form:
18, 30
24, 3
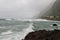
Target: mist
23, 9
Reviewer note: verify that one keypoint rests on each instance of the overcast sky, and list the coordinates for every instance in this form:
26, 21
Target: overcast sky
22, 8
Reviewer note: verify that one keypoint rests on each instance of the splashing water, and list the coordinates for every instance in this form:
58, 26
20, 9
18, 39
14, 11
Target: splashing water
16, 36
29, 29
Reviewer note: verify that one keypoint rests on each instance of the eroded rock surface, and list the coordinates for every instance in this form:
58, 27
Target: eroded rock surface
43, 35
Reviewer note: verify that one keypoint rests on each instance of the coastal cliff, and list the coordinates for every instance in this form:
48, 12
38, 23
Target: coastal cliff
53, 13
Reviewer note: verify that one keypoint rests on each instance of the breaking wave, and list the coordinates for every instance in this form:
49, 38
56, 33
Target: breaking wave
9, 35
17, 30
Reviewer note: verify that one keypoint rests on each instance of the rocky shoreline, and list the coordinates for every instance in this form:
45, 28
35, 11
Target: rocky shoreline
44, 35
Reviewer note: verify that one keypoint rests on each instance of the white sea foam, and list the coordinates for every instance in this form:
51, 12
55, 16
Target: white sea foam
32, 20
5, 33
16, 36
2, 27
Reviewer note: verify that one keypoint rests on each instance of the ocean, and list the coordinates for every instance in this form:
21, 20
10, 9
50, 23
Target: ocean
18, 29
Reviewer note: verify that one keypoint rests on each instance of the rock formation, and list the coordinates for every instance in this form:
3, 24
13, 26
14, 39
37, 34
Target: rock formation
44, 35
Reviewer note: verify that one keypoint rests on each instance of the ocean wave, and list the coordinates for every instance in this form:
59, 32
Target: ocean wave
16, 36
10, 19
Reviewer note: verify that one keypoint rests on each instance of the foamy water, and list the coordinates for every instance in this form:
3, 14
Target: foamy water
18, 29
9, 35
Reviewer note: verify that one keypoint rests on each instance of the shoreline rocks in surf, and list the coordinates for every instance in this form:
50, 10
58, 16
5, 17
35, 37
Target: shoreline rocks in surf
44, 35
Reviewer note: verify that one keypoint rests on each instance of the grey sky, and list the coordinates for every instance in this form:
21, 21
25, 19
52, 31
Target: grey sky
22, 8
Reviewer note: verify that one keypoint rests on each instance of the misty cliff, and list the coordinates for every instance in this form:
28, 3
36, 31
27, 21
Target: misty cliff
53, 11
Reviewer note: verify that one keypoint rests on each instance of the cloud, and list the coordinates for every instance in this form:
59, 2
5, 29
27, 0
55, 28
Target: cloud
22, 8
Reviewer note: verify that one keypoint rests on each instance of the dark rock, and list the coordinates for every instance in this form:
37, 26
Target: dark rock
44, 35
54, 24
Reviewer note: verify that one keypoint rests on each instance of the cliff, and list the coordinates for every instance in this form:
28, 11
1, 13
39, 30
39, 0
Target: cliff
54, 11
43, 35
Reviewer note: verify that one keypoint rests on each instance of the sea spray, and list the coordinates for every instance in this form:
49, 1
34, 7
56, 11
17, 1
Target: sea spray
29, 29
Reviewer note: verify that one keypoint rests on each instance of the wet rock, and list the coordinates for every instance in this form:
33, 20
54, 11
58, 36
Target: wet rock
44, 35
54, 24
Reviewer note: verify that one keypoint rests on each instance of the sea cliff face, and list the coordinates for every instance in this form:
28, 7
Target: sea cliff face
53, 13
43, 35
54, 10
